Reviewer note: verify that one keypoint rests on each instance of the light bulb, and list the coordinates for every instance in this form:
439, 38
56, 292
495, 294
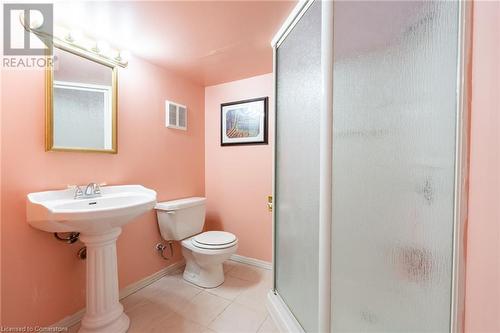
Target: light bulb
102, 47
123, 56
74, 36
36, 19
115, 54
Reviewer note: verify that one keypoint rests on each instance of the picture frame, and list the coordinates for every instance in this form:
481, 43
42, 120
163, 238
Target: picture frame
245, 122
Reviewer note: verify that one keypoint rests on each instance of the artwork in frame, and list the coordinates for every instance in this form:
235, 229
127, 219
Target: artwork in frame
244, 122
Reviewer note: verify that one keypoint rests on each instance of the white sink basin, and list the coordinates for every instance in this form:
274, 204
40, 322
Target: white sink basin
99, 221
58, 211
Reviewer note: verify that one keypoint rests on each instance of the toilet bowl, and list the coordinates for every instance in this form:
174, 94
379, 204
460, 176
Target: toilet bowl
204, 252
204, 261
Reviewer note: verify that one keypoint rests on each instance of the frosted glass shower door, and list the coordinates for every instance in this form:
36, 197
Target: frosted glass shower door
394, 110
298, 93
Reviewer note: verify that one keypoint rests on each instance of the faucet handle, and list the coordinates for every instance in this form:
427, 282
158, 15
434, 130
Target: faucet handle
97, 189
78, 192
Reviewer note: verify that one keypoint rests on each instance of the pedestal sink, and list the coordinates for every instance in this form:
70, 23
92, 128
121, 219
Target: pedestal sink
99, 221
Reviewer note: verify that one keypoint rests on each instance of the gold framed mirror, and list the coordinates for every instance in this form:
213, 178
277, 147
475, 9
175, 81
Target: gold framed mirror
81, 102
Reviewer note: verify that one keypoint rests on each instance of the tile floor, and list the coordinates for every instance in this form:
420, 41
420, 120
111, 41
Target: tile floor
174, 305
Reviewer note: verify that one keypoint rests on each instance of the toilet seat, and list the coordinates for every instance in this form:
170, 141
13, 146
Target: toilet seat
214, 240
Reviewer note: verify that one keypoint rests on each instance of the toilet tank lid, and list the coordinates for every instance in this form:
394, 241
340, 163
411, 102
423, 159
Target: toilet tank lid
180, 203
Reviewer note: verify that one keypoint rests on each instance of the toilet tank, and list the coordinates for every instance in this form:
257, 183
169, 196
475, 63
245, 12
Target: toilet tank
182, 218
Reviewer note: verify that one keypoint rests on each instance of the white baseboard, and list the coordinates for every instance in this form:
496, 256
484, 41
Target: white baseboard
251, 261
132, 288
281, 315
70, 320
128, 290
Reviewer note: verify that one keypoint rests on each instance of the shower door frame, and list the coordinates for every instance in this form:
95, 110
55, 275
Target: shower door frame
278, 308
462, 132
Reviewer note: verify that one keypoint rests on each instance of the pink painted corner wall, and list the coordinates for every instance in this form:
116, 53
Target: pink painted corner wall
238, 179
1, 249
42, 279
482, 306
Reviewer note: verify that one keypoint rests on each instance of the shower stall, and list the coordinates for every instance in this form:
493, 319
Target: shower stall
370, 166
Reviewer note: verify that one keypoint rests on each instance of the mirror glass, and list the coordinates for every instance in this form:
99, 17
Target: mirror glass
83, 104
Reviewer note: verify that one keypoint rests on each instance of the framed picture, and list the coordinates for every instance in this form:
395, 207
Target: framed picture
244, 122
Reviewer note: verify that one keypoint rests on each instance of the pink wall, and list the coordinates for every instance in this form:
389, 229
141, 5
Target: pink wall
239, 178
1, 251
483, 243
73, 68
42, 280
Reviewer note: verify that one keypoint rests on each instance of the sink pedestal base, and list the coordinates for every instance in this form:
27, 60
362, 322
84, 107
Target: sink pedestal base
104, 313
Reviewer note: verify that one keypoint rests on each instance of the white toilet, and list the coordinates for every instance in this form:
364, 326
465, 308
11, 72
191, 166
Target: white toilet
204, 252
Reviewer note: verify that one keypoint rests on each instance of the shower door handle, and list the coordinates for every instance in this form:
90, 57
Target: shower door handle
270, 203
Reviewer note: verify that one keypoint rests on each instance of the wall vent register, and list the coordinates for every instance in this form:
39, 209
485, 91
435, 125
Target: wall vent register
175, 115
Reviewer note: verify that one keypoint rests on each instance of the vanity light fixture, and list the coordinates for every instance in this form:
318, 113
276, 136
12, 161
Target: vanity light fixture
77, 42
100, 49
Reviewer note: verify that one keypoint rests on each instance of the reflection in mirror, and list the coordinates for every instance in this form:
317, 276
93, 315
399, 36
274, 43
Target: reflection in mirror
83, 115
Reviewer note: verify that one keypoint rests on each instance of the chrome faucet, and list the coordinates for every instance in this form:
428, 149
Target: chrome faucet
91, 191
